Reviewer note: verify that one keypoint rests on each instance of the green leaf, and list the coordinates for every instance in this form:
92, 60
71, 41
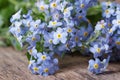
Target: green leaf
28, 56
94, 10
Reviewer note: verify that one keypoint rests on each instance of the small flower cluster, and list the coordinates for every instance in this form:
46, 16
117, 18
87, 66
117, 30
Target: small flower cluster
107, 44
62, 30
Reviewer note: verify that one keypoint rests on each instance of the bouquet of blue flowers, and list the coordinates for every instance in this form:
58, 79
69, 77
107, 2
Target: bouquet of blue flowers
61, 26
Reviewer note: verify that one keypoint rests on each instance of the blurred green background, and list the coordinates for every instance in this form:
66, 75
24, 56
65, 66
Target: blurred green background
9, 7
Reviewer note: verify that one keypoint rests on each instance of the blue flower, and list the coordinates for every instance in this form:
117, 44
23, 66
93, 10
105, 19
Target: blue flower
30, 63
100, 25
15, 28
99, 49
34, 25
108, 4
32, 39
28, 15
34, 68
42, 57
85, 32
17, 31
96, 66
108, 13
55, 4
41, 29
81, 14
117, 11
42, 6
117, 42
56, 15
16, 16
116, 22
45, 64
82, 6
67, 12
32, 51
59, 36
70, 28
76, 39
48, 40
54, 24
49, 67
65, 47
112, 30
63, 5
27, 19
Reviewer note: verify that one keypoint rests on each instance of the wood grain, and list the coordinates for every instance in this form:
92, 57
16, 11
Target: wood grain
13, 66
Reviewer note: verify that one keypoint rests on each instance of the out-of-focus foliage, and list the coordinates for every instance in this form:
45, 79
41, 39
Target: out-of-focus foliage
9, 7
94, 14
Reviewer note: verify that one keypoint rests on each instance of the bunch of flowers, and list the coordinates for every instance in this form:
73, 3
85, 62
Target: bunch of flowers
106, 45
64, 28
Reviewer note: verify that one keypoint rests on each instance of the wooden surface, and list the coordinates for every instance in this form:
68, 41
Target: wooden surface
13, 66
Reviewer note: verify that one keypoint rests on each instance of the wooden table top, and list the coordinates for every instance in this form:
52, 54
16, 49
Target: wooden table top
13, 66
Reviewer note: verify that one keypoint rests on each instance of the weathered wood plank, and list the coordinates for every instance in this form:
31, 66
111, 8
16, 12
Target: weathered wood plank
13, 66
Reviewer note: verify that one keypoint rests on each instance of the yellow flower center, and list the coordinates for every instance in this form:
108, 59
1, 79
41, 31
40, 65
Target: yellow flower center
30, 51
29, 62
109, 24
107, 11
83, 47
54, 23
36, 26
36, 69
67, 45
98, 50
43, 57
33, 38
102, 26
108, 3
76, 39
46, 70
65, 10
118, 21
42, 8
50, 41
18, 29
118, 42
28, 24
59, 36
96, 66
85, 34
82, 5
57, 15
110, 30
54, 5
69, 30
80, 17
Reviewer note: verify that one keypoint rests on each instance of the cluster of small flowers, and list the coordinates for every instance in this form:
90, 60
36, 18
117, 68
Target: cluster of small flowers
62, 30
107, 44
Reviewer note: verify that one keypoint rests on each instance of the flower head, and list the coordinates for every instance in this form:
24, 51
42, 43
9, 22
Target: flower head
16, 16
96, 66
54, 24
99, 49
59, 36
